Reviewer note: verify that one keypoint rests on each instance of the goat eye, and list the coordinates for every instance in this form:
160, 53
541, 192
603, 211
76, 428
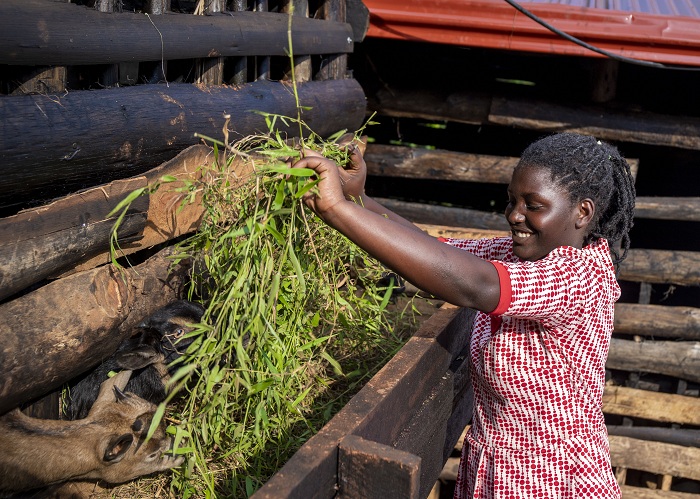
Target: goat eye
137, 426
178, 333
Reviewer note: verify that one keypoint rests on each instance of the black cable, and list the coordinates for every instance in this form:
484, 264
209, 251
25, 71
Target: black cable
583, 44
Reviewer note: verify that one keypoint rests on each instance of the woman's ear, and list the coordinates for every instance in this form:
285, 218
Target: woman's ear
586, 211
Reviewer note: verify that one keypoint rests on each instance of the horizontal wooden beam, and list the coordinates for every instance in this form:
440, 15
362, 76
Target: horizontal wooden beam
680, 359
60, 330
677, 436
657, 321
483, 108
655, 457
668, 208
654, 406
53, 145
36, 32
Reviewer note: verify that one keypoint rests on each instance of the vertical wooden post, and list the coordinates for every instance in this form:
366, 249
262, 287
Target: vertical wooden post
302, 63
333, 67
262, 69
370, 470
240, 68
110, 76
210, 71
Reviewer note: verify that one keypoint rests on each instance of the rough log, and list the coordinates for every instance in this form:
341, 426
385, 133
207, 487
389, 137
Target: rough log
40, 32
51, 335
679, 359
676, 436
440, 164
53, 145
630, 492
655, 457
657, 321
422, 213
481, 108
73, 233
668, 208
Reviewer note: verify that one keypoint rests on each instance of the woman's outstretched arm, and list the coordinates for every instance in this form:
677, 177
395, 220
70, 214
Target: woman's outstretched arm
454, 275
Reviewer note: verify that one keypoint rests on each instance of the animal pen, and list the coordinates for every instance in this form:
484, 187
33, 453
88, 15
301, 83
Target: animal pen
101, 100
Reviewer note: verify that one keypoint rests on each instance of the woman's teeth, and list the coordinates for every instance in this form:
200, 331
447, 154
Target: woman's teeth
521, 234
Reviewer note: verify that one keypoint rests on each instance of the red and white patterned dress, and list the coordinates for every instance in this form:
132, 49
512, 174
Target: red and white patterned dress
538, 370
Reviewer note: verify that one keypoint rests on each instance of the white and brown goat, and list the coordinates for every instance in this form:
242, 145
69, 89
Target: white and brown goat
109, 444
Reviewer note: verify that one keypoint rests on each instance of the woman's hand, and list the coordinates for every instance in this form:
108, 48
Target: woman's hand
328, 194
354, 176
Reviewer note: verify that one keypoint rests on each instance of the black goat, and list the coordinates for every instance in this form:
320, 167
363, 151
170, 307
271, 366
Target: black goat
160, 340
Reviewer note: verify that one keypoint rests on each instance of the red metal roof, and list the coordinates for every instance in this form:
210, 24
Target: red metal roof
661, 31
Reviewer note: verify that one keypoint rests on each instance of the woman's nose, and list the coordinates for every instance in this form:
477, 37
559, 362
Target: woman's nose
514, 216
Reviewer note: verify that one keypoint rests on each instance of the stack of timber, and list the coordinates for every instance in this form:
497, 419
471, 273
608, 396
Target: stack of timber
95, 92
651, 400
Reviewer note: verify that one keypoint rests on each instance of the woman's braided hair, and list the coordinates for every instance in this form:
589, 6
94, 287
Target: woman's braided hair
589, 168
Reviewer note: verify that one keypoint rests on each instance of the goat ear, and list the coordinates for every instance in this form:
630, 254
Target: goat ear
137, 358
106, 395
117, 448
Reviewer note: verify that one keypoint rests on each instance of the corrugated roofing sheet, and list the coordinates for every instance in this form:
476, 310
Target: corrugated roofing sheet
660, 31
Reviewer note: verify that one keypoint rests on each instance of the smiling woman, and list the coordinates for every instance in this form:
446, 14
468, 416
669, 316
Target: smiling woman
546, 296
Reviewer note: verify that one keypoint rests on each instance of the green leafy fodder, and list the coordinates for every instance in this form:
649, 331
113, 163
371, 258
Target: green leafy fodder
295, 322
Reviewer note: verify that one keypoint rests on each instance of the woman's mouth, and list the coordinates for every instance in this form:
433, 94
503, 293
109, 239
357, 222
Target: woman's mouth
519, 234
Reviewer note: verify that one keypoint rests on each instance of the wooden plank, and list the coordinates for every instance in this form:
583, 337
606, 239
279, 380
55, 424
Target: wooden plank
53, 334
369, 470
602, 122
676, 436
380, 411
422, 213
53, 145
44, 33
657, 321
662, 266
335, 66
655, 457
668, 208
680, 359
655, 406
439, 164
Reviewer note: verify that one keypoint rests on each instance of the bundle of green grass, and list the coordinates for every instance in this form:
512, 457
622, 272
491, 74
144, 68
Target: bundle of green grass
296, 321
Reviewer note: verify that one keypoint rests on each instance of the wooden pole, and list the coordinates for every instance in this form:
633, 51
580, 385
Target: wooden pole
334, 66
38, 32
53, 334
53, 145
210, 71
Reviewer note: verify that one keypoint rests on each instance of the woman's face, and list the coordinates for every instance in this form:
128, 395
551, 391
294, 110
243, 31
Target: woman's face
542, 216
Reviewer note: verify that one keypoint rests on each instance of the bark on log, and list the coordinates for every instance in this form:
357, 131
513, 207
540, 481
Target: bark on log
422, 213
481, 108
657, 321
655, 457
676, 436
53, 145
51, 335
74, 232
438, 164
36, 32
671, 358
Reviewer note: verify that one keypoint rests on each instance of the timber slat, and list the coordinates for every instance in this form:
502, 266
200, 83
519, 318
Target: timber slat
680, 359
629, 492
483, 108
655, 457
36, 32
657, 321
